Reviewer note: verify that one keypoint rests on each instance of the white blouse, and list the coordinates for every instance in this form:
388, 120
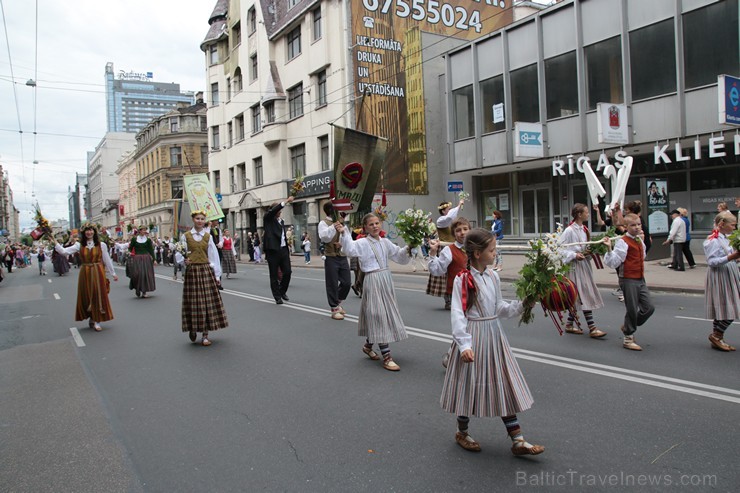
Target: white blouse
212, 252
489, 301
107, 262
438, 265
716, 250
617, 256
573, 234
363, 250
446, 220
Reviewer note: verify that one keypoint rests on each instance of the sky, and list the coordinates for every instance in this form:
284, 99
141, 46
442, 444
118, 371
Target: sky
67, 59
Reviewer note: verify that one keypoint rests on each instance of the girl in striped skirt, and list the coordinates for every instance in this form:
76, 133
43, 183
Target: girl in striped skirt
228, 258
141, 263
380, 321
722, 286
202, 307
483, 378
580, 272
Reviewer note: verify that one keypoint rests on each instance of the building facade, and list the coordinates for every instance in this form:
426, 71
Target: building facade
133, 99
596, 80
102, 179
9, 214
76, 201
169, 147
127, 192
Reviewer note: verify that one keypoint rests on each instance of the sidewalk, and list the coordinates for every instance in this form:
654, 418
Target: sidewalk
658, 277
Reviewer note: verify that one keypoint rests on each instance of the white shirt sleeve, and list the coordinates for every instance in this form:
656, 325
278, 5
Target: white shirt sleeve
457, 318
616, 257
107, 262
715, 253
326, 232
438, 265
349, 246
69, 250
213, 258
446, 220
398, 254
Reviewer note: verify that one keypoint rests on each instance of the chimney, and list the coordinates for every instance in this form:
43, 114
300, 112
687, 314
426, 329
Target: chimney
198, 97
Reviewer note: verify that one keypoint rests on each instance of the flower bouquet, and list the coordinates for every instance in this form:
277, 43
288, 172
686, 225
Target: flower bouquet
735, 240
43, 228
297, 186
464, 196
543, 280
381, 213
413, 225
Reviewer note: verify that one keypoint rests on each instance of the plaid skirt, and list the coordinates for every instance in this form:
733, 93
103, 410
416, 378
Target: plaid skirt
437, 285
228, 262
380, 321
202, 307
141, 273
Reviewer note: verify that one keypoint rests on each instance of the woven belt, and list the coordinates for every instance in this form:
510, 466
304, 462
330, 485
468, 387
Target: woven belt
482, 319
374, 271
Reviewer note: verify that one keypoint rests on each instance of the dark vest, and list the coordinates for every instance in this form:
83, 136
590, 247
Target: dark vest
334, 248
634, 265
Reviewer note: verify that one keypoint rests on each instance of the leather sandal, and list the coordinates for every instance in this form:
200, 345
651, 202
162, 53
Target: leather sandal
467, 442
337, 315
719, 343
341, 310
629, 343
206, 342
390, 365
573, 330
370, 353
596, 332
521, 447
97, 327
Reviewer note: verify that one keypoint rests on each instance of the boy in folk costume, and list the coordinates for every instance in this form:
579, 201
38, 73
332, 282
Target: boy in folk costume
437, 285
336, 267
628, 257
580, 271
722, 285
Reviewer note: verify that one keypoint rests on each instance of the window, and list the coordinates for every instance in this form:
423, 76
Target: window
653, 60
293, 3
204, 155
232, 179
242, 168
176, 187
462, 100
324, 152
561, 89
295, 101
214, 93
240, 128
256, 119
230, 133
604, 72
525, 103
298, 160
213, 54
253, 68
238, 84
175, 156
228, 89
317, 24
321, 86
215, 139
492, 93
294, 43
217, 181
710, 43
203, 124
257, 171
174, 124
252, 20
236, 35
269, 112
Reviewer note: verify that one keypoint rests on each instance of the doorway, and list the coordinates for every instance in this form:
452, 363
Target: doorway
536, 210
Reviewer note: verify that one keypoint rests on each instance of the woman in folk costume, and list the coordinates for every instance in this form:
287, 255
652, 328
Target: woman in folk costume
228, 258
141, 263
483, 378
380, 320
722, 286
437, 285
580, 271
202, 307
59, 261
92, 285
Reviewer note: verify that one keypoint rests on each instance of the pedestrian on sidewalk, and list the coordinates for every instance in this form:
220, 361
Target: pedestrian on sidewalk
277, 249
581, 273
202, 306
686, 248
483, 378
92, 285
306, 247
380, 320
497, 228
41, 258
722, 286
677, 237
141, 263
336, 267
628, 257
257, 248
178, 264
250, 246
228, 259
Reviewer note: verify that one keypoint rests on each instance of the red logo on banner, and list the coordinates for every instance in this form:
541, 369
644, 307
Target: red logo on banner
352, 175
614, 117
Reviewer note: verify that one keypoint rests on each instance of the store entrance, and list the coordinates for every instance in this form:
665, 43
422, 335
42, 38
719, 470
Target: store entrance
536, 210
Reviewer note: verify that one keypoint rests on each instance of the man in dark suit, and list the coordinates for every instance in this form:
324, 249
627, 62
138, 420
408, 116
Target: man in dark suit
275, 245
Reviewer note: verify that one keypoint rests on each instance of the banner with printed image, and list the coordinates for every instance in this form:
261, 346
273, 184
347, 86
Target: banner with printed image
358, 159
201, 197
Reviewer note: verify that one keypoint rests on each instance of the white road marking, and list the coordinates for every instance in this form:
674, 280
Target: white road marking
77, 337
634, 376
701, 319
57, 297
49, 280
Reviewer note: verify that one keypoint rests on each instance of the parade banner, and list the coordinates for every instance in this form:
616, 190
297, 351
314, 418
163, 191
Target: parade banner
201, 197
387, 53
358, 159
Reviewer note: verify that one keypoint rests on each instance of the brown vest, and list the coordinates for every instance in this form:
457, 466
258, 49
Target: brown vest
334, 248
634, 265
197, 250
459, 262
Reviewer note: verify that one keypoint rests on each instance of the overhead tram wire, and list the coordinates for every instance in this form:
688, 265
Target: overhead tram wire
35, 93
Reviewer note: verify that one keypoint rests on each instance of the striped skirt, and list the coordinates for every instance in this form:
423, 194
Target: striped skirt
380, 321
92, 294
228, 262
437, 285
492, 385
582, 276
202, 306
141, 273
722, 289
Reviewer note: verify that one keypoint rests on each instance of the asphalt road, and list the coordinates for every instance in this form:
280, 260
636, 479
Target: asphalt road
284, 400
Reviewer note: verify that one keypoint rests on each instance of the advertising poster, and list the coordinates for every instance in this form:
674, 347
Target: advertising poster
657, 202
201, 197
387, 56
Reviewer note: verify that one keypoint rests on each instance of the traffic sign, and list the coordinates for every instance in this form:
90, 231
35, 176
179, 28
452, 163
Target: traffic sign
219, 198
454, 186
528, 140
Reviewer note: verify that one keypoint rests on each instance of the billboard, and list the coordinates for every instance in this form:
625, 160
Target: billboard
387, 58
